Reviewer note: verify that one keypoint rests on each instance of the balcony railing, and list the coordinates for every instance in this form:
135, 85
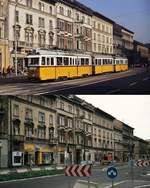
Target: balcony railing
18, 138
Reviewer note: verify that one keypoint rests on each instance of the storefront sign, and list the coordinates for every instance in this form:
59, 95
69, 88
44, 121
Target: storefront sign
17, 158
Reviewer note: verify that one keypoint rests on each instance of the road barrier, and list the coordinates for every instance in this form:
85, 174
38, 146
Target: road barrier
78, 170
142, 163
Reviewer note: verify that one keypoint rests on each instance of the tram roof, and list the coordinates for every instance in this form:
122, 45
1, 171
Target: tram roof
51, 52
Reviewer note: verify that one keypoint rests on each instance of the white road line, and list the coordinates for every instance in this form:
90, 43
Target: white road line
133, 84
141, 186
41, 177
145, 79
118, 183
113, 91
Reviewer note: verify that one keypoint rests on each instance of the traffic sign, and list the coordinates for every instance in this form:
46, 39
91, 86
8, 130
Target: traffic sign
78, 170
142, 163
112, 172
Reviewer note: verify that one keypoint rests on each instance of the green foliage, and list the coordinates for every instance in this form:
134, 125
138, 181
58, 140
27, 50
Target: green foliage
31, 174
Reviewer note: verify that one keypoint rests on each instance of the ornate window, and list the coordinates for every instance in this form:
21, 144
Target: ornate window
42, 38
51, 38
18, 28
29, 36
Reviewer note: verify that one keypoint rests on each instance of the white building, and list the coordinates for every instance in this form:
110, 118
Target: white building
102, 34
35, 25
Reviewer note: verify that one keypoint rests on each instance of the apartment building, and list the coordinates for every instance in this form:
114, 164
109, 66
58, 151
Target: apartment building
102, 34
141, 149
128, 142
74, 26
103, 135
118, 140
4, 57
32, 23
118, 42
58, 129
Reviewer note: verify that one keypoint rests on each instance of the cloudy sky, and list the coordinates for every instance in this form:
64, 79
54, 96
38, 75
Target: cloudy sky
133, 14
131, 109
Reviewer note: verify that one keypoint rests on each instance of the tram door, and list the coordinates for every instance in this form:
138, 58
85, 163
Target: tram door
93, 66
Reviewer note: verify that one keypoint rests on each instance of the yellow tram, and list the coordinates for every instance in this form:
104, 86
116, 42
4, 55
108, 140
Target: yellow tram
49, 65
103, 64
53, 65
121, 64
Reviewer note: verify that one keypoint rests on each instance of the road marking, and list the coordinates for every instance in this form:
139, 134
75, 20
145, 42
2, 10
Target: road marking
41, 177
142, 186
118, 183
133, 84
145, 79
113, 91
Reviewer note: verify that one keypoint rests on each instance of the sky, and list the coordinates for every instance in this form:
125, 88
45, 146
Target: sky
133, 14
133, 110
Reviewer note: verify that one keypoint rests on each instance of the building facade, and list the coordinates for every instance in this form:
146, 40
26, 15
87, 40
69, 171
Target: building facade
74, 26
118, 140
103, 135
4, 52
118, 42
141, 54
128, 142
141, 149
58, 129
102, 34
32, 24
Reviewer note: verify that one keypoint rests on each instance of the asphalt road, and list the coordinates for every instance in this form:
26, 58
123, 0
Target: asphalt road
99, 176
134, 81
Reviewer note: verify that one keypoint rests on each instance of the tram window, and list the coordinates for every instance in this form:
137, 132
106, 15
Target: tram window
99, 62
105, 61
66, 61
78, 62
59, 61
43, 61
34, 61
52, 61
87, 61
82, 61
121, 61
48, 61
96, 62
71, 61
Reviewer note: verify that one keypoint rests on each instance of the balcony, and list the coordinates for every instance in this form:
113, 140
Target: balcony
61, 127
18, 138
29, 122
41, 124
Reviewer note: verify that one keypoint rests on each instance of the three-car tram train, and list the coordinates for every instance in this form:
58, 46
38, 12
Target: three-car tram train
50, 65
